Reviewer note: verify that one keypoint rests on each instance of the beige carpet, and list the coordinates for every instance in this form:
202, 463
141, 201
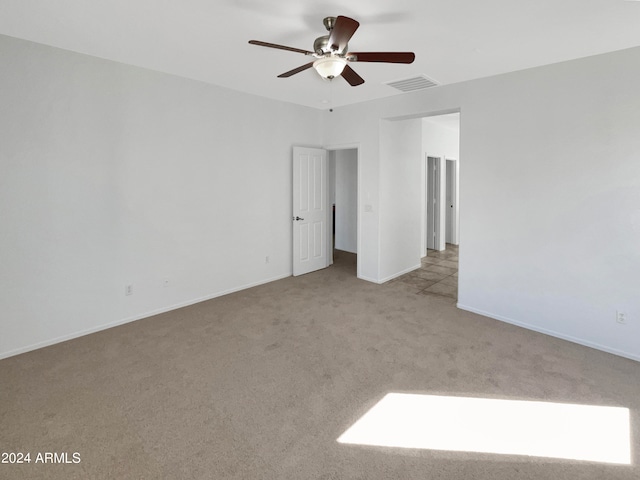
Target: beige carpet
259, 385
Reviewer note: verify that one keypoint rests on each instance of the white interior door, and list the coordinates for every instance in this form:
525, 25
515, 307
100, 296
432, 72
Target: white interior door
450, 202
310, 217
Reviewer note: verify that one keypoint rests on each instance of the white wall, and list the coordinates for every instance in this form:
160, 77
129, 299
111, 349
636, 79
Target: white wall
113, 175
346, 199
549, 193
440, 140
444, 143
400, 202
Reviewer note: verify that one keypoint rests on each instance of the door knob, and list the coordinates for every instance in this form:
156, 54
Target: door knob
298, 218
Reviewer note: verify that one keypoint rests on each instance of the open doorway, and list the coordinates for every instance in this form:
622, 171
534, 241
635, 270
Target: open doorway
343, 197
441, 231
407, 147
441, 147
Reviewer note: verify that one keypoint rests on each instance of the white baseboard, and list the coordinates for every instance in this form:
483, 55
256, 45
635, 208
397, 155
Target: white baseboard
88, 331
399, 274
372, 280
552, 333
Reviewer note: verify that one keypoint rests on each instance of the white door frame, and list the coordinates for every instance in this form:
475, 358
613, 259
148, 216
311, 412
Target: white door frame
434, 202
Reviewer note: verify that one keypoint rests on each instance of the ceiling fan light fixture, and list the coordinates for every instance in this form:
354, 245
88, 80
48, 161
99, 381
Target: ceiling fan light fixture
330, 66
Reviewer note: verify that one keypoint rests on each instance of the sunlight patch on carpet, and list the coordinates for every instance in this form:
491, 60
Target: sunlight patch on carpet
513, 427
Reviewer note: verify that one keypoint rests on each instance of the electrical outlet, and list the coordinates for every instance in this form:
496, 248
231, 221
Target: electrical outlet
621, 317
128, 290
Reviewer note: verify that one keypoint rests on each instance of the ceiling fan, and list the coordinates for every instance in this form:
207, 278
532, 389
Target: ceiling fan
332, 56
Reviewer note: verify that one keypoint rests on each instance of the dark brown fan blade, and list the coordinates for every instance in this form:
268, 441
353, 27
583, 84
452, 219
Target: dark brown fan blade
342, 32
384, 57
296, 70
281, 47
351, 76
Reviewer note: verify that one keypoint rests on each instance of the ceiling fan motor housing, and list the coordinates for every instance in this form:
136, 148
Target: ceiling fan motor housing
321, 45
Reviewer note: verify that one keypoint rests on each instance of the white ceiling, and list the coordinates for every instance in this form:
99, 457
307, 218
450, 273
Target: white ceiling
454, 40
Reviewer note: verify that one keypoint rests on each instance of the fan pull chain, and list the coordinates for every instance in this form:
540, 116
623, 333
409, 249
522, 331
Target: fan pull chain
331, 94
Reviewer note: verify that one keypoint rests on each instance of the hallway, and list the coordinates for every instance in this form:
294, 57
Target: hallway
438, 275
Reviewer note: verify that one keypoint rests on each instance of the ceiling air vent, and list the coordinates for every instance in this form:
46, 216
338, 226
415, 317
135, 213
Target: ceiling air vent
414, 83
